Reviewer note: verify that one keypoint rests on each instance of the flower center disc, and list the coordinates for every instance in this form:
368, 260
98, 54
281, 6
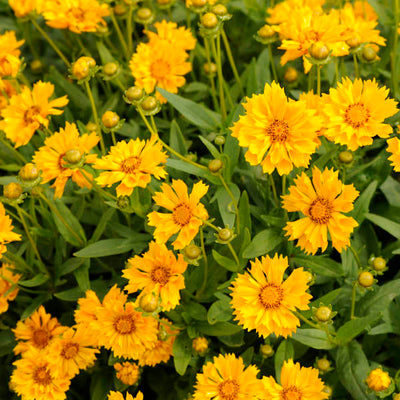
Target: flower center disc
70, 350
182, 214
278, 131
271, 296
40, 338
130, 164
160, 275
320, 211
228, 390
357, 115
42, 376
159, 69
30, 114
124, 325
291, 393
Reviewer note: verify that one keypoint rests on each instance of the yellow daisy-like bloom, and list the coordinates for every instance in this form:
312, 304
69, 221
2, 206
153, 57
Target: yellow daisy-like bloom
52, 160
356, 112
378, 380
22, 8
394, 149
33, 379
262, 301
322, 202
162, 348
279, 133
281, 12
159, 63
8, 89
119, 396
28, 111
226, 378
76, 15
128, 373
187, 213
180, 37
127, 332
9, 54
6, 233
297, 383
37, 331
71, 352
157, 271
133, 163
364, 10
8, 279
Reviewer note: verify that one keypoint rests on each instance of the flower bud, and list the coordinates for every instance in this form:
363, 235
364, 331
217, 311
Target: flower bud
323, 365
210, 68
199, 3
328, 390
148, 302
291, 75
225, 235
200, 344
91, 126
379, 264
149, 103
378, 380
215, 166
368, 53
319, 51
144, 13
310, 278
266, 350
346, 157
73, 156
36, 66
12, 191
81, 67
110, 68
365, 279
396, 396
110, 119
323, 314
29, 172
123, 202
220, 10
219, 140
120, 9
134, 93
266, 32
192, 252
164, 2
209, 20
353, 42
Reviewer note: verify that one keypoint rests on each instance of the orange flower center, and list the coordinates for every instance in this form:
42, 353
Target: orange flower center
320, 210
40, 338
30, 114
182, 214
124, 324
42, 376
131, 164
271, 296
160, 69
291, 393
228, 390
160, 275
356, 115
70, 350
278, 131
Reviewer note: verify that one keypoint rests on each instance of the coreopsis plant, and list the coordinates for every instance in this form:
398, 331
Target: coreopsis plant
200, 200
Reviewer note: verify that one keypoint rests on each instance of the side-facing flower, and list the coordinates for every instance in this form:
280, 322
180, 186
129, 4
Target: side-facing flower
9, 54
119, 396
394, 149
8, 279
6, 231
127, 372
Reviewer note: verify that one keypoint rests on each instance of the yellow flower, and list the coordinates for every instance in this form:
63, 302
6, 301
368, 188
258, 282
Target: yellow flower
189, 3
86, 314
127, 372
119, 396
282, 11
158, 271
9, 54
52, 158
159, 63
7, 88
322, 203
279, 133
261, 301
364, 10
378, 380
133, 163
76, 15
28, 111
226, 378
8, 279
22, 8
187, 213
71, 352
6, 233
394, 148
127, 332
33, 379
297, 383
356, 112
200, 344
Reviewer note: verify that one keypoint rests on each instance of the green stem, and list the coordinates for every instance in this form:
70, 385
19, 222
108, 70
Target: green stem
120, 36
273, 187
213, 89
13, 150
203, 250
235, 204
393, 54
356, 71
51, 43
272, 63
96, 186
318, 80
113, 138
232, 250
356, 257
353, 300
205, 222
129, 29
306, 320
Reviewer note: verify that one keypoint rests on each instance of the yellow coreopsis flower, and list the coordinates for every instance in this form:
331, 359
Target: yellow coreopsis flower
8, 286
28, 111
356, 112
278, 133
128, 373
322, 201
9, 54
364, 10
378, 380
133, 164
297, 383
281, 12
9, 90
227, 378
157, 271
6, 231
119, 396
159, 63
187, 213
22, 8
394, 149
54, 158
261, 300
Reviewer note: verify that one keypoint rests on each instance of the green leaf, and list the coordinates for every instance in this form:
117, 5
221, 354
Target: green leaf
352, 369
264, 242
225, 262
101, 226
211, 148
320, 265
38, 280
361, 206
182, 352
314, 338
386, 224
225, 204
82, 276
198, 115
101, 384
105, 55
70, 265
219, 311
196, 311
7, 342
263, 73
35, 304
181, 165
284, 352
391, 190
176, 139
70, 294
218, 329
244, 212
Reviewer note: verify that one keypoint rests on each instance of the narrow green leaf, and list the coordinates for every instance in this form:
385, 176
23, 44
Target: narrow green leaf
176, 139
361, 206
320, 265
314, 338
386, 224
105, 55
70, 265
225, 204
101, 226
38, 280
7, 342
35, 304
70, 294
182, 352
244, 212
211, 148
225, 262
218, 329
264, 242
181, 165
82, 276
284, 352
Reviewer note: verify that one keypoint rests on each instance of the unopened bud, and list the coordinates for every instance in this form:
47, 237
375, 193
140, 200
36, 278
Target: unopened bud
36, 66
110, 119
291, 75
365, 279
215, 165
219, 140
225, 234
319, 51
123, 202
266, 32
134, 93
323, 364
323, 314
353, 42
192, 252
12, 191
91, 126
368, 53
209, 20
149, 103
220, 10
148, 303
328, 390
29, 172
378, 380
346, 157
266, 350
110, 68
120, 9
144, 13
73, 156
81, 67
379, 264
199, 3
210, 68
200, 344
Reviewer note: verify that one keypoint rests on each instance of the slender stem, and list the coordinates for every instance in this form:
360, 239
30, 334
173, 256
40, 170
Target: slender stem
217, 57
82, 46
129, 29
318, 80
353, 300
96, 186
273, 187
95, 116
356, 71
272, 63
235, 204
51, 43
13, 150
231, 60
356, 257
5, 95
393, 54
232, 250
120, 36
213, 90
283, 194
113, 138
306, 320
12, 258
205, 222
203, 250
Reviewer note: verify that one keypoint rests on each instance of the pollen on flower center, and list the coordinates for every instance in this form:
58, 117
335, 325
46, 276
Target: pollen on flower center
30, 114
278, 131
356, 115
228, 390
182, 214
160, 68
130, 164
70, 350
40, 338
160, 275
271, 296
291, 393
124, 324
320, 210
42, 376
